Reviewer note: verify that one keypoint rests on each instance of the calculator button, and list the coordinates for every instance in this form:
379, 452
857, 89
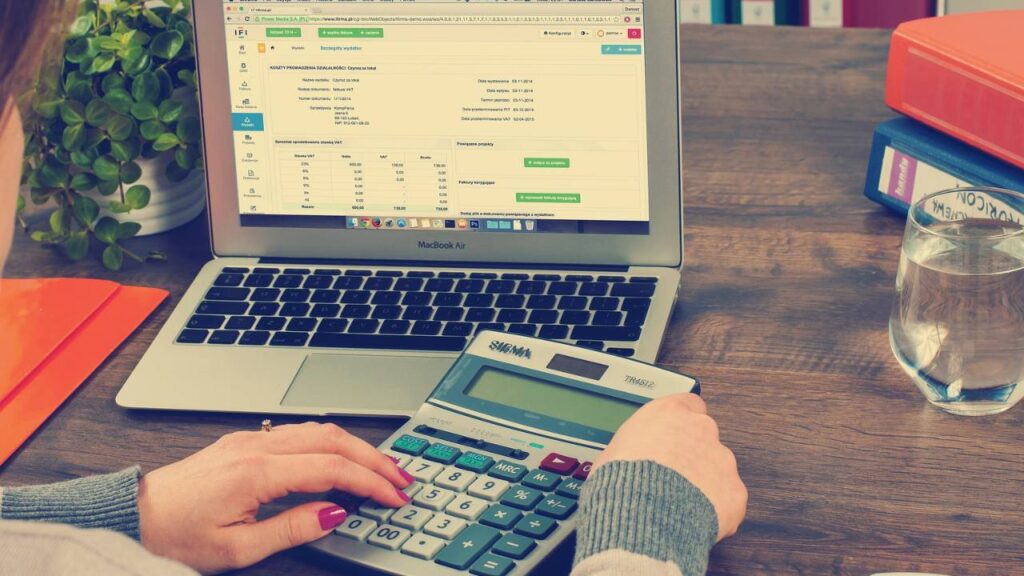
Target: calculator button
542, 480
501, 517
455, 479
583, 471
401, 460
433, 498
442, 453
469, 546
411, 517
536, 526
466, 507
506, 470
570, 487
423, 547
378, 512
520, 497
410, 445
475, 462
444, 526
488, 488
412, 489
388, 536
514, 546
557, 507
559, 464
491, 565
424, 471
356, 528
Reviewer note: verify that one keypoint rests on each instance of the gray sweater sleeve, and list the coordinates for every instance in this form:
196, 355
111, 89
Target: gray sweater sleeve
108, 502
646, 518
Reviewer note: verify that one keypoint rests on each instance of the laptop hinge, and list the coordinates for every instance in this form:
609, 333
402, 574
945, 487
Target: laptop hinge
429, 264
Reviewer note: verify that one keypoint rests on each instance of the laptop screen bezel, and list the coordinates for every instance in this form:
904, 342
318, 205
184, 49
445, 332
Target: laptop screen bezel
662, 247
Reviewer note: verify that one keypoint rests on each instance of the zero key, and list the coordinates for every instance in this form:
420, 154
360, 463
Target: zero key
559, 464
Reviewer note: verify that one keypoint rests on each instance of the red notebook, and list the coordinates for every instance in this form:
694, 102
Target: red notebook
54, 334
963, 75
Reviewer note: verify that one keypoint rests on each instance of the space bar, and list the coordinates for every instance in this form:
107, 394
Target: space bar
375, 342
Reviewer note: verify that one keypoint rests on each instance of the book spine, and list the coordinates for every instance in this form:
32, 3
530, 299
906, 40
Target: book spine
884, 13
700, 11
950, 95
718, 12
754, 12
822, 13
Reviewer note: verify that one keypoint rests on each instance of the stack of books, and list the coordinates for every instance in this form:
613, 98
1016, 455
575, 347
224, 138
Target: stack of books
959, 82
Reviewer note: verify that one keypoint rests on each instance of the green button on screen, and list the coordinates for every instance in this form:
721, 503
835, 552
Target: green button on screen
284, 32
546, 162
546, 198
351, 32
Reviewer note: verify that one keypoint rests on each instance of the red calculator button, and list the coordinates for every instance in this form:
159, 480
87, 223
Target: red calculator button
583, 471
559, 464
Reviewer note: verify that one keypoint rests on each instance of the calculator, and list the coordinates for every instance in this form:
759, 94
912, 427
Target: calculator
500, 452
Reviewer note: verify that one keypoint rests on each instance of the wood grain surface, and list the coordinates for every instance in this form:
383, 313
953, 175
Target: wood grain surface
786, 293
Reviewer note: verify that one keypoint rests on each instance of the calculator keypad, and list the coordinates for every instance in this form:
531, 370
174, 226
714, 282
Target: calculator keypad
470, 511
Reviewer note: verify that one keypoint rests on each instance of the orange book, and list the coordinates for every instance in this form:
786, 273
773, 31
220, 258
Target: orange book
963, 75
54, 334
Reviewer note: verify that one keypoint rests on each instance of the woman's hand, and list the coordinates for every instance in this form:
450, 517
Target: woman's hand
202, 511
677, 432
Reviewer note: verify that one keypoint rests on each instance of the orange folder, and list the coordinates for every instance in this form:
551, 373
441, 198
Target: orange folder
53, 334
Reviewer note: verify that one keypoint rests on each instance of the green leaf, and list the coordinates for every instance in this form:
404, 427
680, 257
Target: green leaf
81, 90
58, 223
86, 210
153, 19
83, 182
189, 130
106, 168
82, 159
183, 158
128, 230
169, 111
131, 172
166, 45
74, 137
44, 237
108, 43
113, 257
108, 187
72, 112
53, 174
118, 207
47, 108
137, 197
111, 82
79, 51
98, 112
77, 245
93, 138
187, 77
103, 63
81, 26
136, 60
152, 130
120, 127
146, 87
20, 205
120, 100
165, 142
145, 111
124, 151
106, 230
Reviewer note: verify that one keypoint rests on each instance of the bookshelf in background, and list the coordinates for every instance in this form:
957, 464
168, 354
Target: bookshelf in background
830, 13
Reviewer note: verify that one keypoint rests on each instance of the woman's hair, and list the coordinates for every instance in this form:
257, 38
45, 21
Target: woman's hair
26, 30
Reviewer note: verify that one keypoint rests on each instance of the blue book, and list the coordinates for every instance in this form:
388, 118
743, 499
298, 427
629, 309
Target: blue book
910, 160
702, 11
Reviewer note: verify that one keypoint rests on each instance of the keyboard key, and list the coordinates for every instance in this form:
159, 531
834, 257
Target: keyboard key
458, 329
318, 282
378, 284
390, 273
325, 311
501, 517
451, 275
591, 345
547, 277
327, 272
541, 302
529, 288
523, 329
537, 527
439, 285
447, 299
288, 281
362, 273
420, 274
389, 342
521, 497
563, 288
297, 271
543, 317
375, 511
509, 471
557, 507
488, 488
265, 309
635, 318
512, 316
224, 337
387, 298
301, 325
410, 445
466, 507
426, 328
259, 280
500, 287
423, 547
594, 289
200, 322
470, 286
294, 309
222, 308
624, 352
477, 463
240, 323
612, 279
389, 537
636, 290
254, 338
364, 326
444, 526
496, 327
424, 471
193, 336
418, 313
630, 304
356, 311
348, 283
265, 295
579, 278
228, 280
604, 304
542, 480
479, 301
411, 517
607, 318
559, 464
356, 528
325, 296
228, 294
467, 547
583, 472
442, 453
480, 315
332, 325
572, 303
615, 334
395, 327
434, 498
514, 546
491, 565
454, 479
449, 314
552, 332
272, 324
235, 270
570, 488
356, 297
266, 271
387, 312
289, 339
510, 301
484, 275
417, 299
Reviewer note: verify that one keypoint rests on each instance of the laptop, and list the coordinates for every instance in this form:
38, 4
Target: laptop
386, 179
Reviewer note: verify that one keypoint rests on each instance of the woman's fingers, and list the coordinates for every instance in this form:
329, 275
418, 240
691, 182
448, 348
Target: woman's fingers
247, 544
311, 473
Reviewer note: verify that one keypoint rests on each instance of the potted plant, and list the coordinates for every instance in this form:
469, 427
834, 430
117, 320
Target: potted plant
113, 144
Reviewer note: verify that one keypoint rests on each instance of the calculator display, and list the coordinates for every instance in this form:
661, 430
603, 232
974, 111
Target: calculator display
551, 399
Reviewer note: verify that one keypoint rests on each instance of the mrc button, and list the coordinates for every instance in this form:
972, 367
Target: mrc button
559, 464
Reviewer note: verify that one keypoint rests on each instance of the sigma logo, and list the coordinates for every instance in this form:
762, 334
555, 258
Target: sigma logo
506, 348
424, 245
641, 382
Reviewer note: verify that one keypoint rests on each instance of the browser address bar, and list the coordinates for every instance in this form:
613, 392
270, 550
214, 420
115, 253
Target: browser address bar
359, 20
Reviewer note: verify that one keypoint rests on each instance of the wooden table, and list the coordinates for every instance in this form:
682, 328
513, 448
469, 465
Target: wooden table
783, 312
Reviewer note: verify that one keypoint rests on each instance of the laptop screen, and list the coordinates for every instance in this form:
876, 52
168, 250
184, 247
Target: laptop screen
471, 115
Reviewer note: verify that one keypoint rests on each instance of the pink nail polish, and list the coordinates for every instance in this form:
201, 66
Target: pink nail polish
393, 459
406, 476
405, 497
331, 518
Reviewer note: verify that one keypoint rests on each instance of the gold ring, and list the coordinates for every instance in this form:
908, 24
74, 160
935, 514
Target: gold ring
267, 426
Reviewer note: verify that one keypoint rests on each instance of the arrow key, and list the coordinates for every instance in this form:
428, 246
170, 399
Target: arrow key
559, 464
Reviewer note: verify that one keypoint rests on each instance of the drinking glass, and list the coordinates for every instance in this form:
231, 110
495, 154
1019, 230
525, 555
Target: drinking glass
957, 322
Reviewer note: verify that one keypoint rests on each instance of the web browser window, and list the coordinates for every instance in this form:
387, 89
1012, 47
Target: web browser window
512, 116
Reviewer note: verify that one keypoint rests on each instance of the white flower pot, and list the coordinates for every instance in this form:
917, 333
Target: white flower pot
171, 204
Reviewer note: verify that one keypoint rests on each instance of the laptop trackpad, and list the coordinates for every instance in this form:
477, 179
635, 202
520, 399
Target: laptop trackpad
365, 385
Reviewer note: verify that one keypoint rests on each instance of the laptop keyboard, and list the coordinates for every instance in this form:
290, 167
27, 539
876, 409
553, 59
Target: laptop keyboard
415, 310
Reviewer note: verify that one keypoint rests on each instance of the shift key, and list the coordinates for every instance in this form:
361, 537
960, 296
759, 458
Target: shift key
470, 545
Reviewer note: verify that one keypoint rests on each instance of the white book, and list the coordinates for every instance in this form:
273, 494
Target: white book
758, 12
695, 11
962, 6
825, 14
